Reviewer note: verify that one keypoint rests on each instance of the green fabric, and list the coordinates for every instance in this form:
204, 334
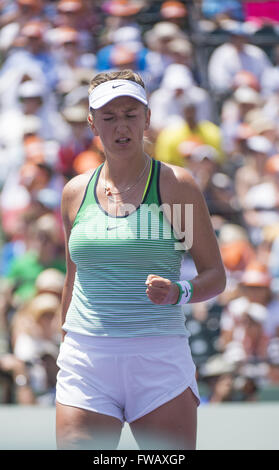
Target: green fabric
25, 270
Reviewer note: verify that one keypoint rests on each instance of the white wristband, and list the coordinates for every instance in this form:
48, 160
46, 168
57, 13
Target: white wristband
185, 292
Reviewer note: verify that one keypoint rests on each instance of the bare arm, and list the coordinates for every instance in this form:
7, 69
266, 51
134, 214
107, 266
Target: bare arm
69, 282
211, 278
179, 188
71, 199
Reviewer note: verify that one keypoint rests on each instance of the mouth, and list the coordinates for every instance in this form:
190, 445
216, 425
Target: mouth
123, 140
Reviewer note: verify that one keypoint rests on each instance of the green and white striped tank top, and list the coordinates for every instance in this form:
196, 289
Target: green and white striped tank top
113, 257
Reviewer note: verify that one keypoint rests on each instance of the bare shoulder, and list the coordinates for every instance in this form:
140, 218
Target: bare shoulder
177, 184
72, 195
76, 184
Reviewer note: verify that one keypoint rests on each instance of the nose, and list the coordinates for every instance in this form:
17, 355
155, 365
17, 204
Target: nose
121, 124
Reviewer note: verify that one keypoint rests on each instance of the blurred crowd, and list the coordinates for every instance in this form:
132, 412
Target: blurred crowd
211, 70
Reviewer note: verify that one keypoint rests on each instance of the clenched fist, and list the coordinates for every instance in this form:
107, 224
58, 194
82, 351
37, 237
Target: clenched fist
161, 290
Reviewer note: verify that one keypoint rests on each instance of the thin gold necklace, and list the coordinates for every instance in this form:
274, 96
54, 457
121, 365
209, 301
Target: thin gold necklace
110, 193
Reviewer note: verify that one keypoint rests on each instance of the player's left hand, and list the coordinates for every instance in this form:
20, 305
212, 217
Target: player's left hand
161, 290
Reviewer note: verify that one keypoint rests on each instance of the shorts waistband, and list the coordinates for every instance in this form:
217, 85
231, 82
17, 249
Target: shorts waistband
125, 345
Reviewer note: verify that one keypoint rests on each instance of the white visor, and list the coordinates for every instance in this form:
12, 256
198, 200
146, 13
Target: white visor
112, 89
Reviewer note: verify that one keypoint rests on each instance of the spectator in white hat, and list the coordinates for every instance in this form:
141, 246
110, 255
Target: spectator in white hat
234, 111
218, 375
158, 39
252, 172
35, 340
68, 51
242, 324
256, 285
33, 48
50, 281
35, 101
234, 55
167, 102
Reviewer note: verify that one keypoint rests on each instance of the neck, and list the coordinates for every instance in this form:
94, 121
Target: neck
192, 124
119, 172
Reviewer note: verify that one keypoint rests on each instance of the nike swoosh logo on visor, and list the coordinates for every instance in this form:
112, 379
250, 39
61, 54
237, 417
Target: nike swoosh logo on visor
116, 86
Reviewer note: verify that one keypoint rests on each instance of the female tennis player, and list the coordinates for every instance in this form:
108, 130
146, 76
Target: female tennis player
125, 355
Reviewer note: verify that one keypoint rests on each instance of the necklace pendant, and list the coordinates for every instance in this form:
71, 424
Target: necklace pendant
108, 191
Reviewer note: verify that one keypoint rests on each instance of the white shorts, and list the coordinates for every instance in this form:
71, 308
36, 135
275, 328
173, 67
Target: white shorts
123, 377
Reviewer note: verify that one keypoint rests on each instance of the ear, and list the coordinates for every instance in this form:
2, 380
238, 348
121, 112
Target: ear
147, 119
90, 120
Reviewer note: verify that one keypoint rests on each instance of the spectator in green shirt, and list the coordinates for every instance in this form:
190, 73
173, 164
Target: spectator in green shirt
45, 251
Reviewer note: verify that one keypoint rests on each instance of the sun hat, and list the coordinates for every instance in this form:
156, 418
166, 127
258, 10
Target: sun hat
74, 114
259, 144
262, 124
31, 124
234, 352
256, 274
257, 312
247, 95
34, 29
238, 306
50, 280
63, 34
261, 196
236, 28
231, 232
202, 152
108, 91
186, 147
126, 34
47, 224
216, 365
43, 303
163, 30
31, 89
177, 76
181, 46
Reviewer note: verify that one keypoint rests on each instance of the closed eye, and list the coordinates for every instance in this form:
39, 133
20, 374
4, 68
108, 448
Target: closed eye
129, 116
